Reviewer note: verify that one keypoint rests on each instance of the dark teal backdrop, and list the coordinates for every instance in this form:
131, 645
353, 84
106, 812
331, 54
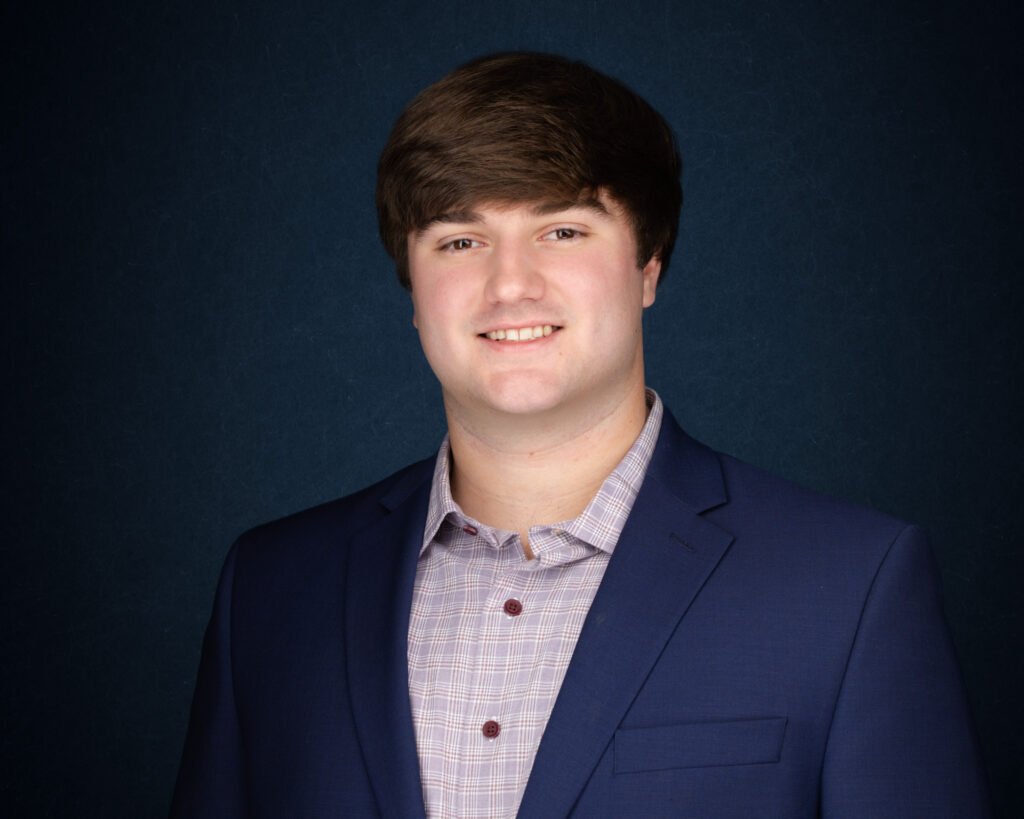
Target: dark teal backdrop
201, 332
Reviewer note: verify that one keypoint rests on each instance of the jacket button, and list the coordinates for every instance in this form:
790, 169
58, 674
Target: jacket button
491, 729
513, 608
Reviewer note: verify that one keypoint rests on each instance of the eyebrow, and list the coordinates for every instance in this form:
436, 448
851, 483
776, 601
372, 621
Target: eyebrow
588, 203
452, 217
464, 217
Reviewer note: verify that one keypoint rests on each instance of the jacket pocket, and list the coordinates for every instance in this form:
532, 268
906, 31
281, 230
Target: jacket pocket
699, 745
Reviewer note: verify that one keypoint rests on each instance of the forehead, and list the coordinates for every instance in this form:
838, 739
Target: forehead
601, 205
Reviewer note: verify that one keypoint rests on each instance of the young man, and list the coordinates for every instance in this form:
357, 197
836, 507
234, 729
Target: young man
575, 609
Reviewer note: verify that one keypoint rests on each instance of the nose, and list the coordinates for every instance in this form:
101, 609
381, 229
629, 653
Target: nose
513, 275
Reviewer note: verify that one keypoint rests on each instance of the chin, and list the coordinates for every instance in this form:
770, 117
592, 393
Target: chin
525, 397
524, 404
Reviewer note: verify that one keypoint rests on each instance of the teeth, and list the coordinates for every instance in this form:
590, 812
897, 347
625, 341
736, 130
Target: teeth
521, 333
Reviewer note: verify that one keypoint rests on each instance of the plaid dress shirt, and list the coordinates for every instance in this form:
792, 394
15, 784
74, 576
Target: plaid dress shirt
491, 634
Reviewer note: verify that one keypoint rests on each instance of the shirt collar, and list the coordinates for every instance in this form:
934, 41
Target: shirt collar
599, 524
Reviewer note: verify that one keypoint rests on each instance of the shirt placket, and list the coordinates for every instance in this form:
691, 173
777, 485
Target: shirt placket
490, 727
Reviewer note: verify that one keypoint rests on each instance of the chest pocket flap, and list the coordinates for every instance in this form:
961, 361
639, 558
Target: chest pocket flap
699, 744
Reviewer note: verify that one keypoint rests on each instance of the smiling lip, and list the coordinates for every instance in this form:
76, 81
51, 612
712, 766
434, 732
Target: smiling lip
520, 334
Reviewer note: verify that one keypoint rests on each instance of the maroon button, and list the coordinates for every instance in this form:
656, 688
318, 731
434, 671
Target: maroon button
469, 530
491, 729
513, 608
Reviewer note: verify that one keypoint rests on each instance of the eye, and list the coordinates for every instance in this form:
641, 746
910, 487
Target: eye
456, 245
562, 234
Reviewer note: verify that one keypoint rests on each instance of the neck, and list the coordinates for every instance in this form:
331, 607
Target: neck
539, 470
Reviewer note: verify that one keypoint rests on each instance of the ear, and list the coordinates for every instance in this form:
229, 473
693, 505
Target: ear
651, 273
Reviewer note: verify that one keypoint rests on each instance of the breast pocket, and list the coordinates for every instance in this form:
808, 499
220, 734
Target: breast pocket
699, 745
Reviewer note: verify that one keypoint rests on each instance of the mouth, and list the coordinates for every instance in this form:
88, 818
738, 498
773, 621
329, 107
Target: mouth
517, 335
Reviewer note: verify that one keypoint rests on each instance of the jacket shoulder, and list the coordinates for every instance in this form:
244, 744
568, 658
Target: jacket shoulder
775, 501
797, 535
750, 501
328, 524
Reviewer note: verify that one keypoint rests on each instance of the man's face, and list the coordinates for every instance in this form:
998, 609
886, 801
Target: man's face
529, 308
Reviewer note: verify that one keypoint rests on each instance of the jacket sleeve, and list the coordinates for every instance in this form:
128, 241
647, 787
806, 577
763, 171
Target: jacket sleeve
901, 742
211, 777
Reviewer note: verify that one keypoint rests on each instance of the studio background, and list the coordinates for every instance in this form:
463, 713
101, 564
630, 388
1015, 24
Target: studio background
202, 332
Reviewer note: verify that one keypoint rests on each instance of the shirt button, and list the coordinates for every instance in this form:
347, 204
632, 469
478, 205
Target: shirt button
513, 608
469, 530
491, 729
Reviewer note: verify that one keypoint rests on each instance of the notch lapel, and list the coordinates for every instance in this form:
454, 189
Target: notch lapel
663, 558
382, 569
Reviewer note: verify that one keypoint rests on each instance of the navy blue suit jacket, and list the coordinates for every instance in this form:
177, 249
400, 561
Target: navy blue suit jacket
755, 649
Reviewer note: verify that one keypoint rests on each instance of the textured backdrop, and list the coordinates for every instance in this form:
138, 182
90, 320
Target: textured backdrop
201, 332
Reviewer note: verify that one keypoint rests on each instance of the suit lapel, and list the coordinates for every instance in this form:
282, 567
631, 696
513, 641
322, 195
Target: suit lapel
382, 568
664, 556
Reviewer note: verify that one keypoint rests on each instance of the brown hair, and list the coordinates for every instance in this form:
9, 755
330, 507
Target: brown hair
522, 127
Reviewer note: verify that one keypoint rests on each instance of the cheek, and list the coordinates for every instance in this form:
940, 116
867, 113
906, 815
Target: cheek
437, 291
614, 300
424, 313
428, 304
436, 316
